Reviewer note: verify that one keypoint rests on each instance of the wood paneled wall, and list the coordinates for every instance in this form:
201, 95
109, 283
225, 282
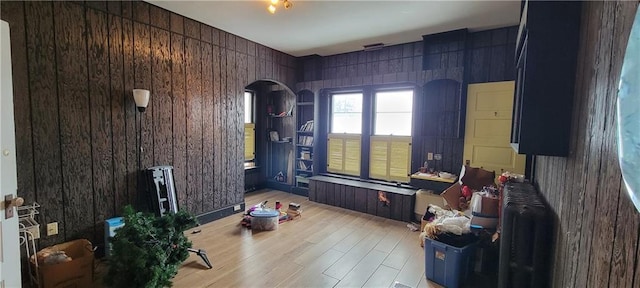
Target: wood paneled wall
489, 58
78, 134
492, 55
597, 226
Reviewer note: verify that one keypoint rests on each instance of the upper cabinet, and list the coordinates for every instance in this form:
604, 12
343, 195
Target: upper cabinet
546, 52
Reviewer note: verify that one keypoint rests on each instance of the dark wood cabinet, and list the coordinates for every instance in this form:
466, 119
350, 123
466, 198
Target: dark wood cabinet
546, 52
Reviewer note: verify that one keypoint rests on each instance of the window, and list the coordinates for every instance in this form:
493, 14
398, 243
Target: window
393, 112
249, 130
390, 147
386, 115
346, 113
343, 151
248, 107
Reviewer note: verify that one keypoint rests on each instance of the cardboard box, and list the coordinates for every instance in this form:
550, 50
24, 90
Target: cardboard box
76, 273
475, 178
490, 207
424, 198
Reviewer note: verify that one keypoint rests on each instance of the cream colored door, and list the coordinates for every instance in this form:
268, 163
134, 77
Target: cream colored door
488, 129
9, 239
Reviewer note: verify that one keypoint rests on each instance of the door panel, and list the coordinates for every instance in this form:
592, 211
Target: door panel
488, 128
9, 245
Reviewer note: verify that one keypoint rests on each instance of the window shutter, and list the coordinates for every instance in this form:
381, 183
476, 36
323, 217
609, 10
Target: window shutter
352, 156
335, 155
400, 159
378, 159
249, 141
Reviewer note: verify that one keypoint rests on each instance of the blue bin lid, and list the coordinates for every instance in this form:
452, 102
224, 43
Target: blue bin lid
265, 213
115, 221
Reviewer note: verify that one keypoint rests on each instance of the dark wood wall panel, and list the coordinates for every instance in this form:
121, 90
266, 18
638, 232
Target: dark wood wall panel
101, 123
74, 135
131, 127
160, 18
225, 90
361, 199
178, 78
224, 132
194, 124
45, 120
142, 80
596, 231
208, 178
162, 102
438, 128
117, 92
98, 5
81, 142
491, 55
241, 82
141, 11
233, 125
218, 116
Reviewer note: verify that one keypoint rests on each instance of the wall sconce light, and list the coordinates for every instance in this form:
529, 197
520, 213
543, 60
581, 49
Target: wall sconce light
141, 96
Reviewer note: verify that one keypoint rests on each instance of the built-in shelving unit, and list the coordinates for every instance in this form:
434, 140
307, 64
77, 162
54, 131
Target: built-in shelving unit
304, 142
280, 137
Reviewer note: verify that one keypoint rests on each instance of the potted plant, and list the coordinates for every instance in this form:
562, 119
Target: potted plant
148, 250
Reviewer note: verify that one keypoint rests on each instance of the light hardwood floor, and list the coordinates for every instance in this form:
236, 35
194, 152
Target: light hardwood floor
327, 247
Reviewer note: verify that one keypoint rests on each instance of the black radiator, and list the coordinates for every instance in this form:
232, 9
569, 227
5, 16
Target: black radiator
525, 238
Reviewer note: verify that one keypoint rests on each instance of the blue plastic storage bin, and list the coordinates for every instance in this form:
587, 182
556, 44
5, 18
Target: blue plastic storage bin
447, 265
110, 226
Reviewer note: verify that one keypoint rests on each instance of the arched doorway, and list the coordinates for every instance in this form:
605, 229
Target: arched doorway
273, 117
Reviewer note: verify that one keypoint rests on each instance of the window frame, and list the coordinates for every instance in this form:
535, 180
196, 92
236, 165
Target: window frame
331, 101
367, 130
374, 112
250, 161
252, 104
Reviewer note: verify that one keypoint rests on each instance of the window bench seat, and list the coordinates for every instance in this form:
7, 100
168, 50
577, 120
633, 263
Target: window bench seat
362, 196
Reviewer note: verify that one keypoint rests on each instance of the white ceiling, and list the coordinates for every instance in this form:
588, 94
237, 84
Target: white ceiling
332, 27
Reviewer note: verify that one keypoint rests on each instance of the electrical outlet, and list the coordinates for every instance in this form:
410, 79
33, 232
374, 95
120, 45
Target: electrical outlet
52, 229
429, 156
236, 208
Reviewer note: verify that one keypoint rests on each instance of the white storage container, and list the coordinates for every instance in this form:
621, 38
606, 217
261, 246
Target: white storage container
423, 199
264, 219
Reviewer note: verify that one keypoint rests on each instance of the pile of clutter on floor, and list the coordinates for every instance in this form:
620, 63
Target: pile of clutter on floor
471, 203
293, 212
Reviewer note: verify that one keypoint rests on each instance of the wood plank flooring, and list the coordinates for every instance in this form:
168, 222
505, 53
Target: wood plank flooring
327, 247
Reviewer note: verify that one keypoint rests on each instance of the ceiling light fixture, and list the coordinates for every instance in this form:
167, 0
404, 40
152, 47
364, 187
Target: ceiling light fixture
274, 3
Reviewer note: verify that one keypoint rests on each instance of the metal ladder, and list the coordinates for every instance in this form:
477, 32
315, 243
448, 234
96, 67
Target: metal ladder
163, 195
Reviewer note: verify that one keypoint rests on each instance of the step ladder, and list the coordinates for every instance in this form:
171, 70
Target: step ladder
163, 195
